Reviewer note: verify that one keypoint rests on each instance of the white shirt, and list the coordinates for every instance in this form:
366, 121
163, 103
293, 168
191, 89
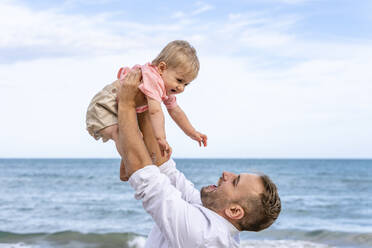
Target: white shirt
175, 206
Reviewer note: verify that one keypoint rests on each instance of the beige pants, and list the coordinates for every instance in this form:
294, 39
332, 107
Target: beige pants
102, 111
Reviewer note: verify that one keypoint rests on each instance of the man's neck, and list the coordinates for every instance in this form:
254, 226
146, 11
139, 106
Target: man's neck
233, 222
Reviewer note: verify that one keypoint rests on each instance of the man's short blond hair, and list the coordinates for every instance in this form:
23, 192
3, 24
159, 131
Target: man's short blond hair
261, 211
179, 54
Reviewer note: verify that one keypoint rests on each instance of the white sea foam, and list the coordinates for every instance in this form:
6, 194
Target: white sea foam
137, 242
16, 245
281, 244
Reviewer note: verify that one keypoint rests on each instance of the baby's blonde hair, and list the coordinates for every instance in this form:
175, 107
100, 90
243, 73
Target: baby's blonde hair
179, 53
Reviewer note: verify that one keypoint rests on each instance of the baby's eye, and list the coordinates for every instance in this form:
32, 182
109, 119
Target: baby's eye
179, 80
186, 85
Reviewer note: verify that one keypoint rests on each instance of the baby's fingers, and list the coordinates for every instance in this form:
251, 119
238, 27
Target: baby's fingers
169, 152
161, 150
204, 140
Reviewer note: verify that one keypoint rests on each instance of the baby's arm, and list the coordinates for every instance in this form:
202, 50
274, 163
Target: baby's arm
183, 122
157, 122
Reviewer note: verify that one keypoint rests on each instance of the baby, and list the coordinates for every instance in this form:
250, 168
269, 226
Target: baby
166, 76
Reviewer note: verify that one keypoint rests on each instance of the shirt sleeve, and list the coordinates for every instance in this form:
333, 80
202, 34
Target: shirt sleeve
170, 102
150, 85
180, 222
188, 191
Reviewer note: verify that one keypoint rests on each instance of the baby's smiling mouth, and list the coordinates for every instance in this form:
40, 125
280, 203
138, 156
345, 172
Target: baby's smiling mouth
173, 90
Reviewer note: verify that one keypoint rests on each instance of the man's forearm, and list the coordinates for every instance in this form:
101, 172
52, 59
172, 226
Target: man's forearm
149, 138
180, 182
134, 150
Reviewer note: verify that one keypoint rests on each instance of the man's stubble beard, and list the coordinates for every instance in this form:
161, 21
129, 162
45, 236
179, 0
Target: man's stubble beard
213, 200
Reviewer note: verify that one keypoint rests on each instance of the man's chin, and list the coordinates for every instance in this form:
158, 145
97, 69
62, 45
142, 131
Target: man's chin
204, 194
208, 198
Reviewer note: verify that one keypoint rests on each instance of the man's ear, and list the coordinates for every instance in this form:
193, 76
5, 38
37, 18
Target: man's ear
162, 66
234, 211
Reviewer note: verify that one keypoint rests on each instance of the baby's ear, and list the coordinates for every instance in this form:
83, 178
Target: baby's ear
162, 66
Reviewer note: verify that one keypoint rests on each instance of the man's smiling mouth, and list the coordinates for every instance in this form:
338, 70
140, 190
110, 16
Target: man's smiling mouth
212, 188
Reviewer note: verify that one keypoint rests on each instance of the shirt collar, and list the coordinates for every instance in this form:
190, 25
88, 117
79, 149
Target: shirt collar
232, 229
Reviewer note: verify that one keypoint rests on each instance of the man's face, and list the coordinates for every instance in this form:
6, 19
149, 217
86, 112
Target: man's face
230, 188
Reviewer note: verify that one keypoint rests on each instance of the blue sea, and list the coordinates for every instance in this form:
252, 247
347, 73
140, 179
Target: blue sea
82, 203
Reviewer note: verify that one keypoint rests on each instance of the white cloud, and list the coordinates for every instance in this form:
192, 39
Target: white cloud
178, 14
73, 3
285, 1
202, 7
49, 32
312, 109
292, 1
37, 34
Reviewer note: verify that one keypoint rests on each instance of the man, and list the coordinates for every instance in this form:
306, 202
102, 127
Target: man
185, 217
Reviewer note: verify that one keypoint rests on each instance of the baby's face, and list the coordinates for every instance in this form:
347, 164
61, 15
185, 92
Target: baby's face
175, 81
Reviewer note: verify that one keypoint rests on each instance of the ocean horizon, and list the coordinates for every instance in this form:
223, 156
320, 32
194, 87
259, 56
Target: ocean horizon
80, 202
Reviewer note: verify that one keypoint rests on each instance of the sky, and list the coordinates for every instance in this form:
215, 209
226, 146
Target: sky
278, 78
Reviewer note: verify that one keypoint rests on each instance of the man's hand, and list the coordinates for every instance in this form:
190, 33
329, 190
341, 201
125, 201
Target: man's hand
200, 138
165, 149
129, 87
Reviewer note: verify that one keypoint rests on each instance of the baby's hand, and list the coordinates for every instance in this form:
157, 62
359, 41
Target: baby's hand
200, 138
165, 149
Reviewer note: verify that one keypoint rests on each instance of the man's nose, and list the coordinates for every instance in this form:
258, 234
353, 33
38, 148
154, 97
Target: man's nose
225, 175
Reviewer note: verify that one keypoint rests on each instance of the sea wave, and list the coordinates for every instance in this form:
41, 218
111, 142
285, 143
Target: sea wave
271, 239
70, 239
139, 242
333, 238
281, 244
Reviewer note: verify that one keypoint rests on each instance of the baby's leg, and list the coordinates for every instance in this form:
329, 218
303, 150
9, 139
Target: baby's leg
145, 126
111, 132
123, 173
115, 137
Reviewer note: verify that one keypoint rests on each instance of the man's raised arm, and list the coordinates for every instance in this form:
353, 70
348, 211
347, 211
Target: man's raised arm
135, 153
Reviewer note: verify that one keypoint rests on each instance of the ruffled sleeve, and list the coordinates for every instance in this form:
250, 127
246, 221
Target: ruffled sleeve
152, 84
